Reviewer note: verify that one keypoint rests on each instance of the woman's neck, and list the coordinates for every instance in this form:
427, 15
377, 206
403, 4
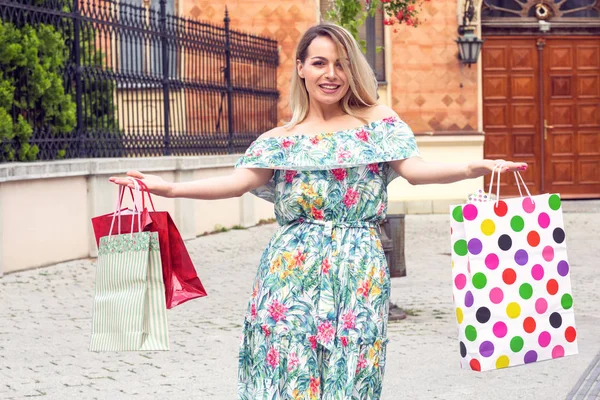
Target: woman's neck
324, 113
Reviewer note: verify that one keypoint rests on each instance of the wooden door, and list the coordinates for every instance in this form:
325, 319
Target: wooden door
511, 100
572, 113
541, 105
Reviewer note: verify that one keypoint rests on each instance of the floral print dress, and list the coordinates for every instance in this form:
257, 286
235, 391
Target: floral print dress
317, 317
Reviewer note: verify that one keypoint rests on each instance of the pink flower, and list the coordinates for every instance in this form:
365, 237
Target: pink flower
389, 120
273, 357
381, 208
314, 140
351, 197
299, 257
289, 175
362, 363
325, 266
257, 153
326, 332
363, 135
253, 311
315, 386
317, 214
374, 168
277, 310
343, 154
388, 21
339, 173
313, 342
287, 143
364, 288
266, 330
349, 320
293, 361
344, 341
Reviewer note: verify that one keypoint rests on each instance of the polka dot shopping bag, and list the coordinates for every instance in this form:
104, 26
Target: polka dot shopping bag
511, 284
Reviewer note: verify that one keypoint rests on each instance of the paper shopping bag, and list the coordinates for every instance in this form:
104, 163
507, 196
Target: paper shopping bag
511, 282
129, 301
180, 277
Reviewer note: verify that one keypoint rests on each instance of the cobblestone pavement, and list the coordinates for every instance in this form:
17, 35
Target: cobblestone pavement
588, 387
45, 317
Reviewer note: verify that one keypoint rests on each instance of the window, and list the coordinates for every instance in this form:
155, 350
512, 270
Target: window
526, 8
372, 32
140, 41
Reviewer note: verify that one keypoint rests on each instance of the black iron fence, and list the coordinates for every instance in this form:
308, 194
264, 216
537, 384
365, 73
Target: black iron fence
137, 81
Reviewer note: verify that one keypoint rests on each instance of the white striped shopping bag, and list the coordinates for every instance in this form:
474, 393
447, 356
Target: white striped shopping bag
129, 300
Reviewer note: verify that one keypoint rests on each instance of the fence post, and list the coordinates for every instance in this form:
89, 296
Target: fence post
228, 80
81, 153
166, 83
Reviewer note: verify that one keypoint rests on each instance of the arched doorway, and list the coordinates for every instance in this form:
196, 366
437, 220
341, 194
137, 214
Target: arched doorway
541, 92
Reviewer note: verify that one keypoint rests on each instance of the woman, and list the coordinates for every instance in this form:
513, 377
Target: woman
317, 317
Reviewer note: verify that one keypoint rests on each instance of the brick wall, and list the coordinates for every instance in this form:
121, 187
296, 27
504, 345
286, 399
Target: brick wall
431, 90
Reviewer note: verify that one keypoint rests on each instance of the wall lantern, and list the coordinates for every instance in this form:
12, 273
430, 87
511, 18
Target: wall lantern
469, 45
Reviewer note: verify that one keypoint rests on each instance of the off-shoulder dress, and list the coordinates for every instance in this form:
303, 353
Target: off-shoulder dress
316, 322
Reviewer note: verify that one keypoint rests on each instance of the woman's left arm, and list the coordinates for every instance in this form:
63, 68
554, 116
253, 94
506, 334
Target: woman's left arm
419, 172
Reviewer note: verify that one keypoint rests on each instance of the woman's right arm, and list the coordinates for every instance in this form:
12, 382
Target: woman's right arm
240, 181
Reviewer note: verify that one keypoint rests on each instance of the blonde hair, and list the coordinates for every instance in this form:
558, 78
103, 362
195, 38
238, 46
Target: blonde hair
361, 79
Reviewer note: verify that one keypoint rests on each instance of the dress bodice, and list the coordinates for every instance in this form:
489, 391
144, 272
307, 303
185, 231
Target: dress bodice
339, 176
339, 195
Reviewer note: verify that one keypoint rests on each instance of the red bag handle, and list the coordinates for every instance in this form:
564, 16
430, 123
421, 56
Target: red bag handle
144, 189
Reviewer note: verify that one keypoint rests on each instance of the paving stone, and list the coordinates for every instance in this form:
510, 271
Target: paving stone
45, 327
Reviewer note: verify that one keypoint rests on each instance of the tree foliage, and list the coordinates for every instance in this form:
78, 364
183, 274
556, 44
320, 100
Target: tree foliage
31, 88
352, 13
37, 85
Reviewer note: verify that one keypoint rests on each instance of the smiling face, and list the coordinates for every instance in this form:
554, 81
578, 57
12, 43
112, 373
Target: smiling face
324, 77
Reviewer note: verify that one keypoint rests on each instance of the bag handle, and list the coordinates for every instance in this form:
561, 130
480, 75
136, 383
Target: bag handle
518, 178
144, 189
117, 213
139, 214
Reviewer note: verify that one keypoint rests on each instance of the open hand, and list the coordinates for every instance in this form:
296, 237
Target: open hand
484, 167
156, 185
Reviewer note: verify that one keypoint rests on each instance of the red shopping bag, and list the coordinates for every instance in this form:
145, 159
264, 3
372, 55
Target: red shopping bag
181, 281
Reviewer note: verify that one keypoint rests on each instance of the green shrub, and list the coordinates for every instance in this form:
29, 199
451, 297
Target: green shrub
31, 88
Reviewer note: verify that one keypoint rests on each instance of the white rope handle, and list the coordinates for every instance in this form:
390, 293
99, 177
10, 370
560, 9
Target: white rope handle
499, 168
518, 178
518, 184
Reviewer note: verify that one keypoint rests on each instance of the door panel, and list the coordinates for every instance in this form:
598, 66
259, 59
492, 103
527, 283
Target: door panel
511, 106
571, 81
551, 122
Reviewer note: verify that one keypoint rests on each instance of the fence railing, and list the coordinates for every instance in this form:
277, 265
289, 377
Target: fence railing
140, 82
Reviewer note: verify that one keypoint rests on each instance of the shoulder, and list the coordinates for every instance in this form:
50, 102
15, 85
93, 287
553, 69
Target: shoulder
378, 112
277, 131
